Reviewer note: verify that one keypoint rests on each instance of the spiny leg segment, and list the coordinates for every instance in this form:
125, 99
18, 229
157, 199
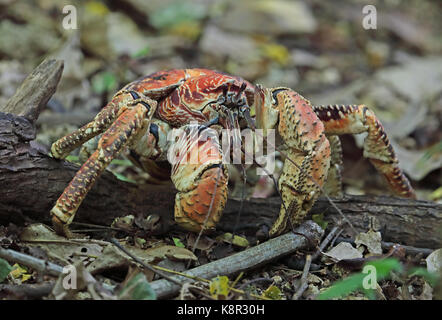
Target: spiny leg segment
354, 119
65, 145
132, 118
333, 184
309, 149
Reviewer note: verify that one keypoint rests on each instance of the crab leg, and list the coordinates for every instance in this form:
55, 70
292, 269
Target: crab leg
356, 119
133, 119
309, 148
199, 176
65, 145
333, 184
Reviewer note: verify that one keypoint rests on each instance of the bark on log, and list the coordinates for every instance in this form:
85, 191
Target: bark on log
411, 222
31, 182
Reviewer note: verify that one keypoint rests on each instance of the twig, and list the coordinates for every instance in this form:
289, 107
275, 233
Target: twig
309, 258
387, 245
29, 291
70, 241
188, 276
40, 265
146, 266
245, 260
304, 282
98, 226
248, 283
337, 229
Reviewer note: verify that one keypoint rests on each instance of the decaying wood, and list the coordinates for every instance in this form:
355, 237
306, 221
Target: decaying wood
34, 93
31, 182
245, 260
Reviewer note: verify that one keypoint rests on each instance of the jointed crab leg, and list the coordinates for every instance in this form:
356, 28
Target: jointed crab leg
308, 147
200, 177
63, 146
333, 184
355, 119
132, 120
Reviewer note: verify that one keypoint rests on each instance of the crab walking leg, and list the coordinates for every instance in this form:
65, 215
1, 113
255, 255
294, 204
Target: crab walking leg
132, 121
333, 184
61, 148
356, 119
309, 148
200, 178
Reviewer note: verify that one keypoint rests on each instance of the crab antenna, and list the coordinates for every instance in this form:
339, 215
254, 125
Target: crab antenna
241, 90
243, 194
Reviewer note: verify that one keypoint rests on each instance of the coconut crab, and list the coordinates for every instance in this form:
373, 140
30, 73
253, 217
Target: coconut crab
142, 114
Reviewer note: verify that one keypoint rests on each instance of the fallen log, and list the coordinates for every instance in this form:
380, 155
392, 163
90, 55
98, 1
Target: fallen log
31, 181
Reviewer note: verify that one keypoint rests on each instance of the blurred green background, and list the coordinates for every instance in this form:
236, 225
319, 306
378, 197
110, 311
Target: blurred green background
318, 48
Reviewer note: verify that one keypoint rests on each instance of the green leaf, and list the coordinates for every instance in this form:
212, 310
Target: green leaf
430, 277
234, 239
355, 281
385, 266
343, 287
177, 13
319, 219
436, 194
72, 158
178, 242
141, 53
219, 287
5, 268
123, 177
122, 162
273, 293
137, 288
104, 82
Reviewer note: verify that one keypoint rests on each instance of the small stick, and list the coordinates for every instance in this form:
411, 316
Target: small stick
248, 283
185, 275
337, 229
309, 258
387, 245
146, 266
304, 282
29, 291
98, 226
40, 265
